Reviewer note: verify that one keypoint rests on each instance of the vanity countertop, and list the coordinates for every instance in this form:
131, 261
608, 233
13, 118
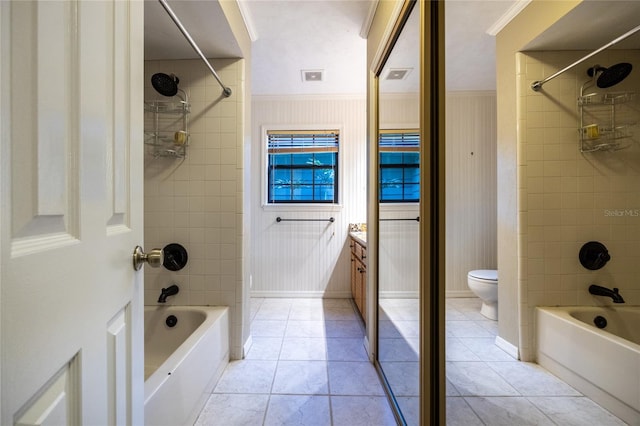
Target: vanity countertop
360, 236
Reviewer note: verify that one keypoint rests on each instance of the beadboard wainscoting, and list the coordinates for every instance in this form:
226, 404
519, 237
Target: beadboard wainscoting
196, 201
399, 254
307, 259
311, 259
471, 197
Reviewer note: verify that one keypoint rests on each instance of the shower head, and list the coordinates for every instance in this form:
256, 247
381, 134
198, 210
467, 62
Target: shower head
166, 85
610, 76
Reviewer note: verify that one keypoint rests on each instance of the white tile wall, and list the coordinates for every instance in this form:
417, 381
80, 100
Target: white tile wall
564, 195
197, 201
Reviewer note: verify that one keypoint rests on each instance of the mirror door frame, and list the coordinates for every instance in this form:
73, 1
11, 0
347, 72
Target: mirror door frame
432, 213
432, 232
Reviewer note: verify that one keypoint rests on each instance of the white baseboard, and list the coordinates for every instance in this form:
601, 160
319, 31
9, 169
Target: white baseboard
302, 294
459, 294
347, 294
414, 294
507, 347
368, 348
247, 346
399, 295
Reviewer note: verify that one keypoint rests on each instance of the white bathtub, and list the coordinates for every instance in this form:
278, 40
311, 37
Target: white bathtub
182, 363
603, 364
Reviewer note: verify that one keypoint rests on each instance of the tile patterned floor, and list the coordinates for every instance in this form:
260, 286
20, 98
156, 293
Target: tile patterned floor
485, 386
308, 366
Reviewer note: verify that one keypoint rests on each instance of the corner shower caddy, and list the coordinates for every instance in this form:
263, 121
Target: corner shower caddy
606, 121
166, 128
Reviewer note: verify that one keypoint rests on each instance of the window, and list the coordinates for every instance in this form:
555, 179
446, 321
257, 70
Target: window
302, 166
399, 166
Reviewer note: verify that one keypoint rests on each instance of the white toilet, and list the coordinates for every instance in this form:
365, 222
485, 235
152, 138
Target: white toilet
484, 284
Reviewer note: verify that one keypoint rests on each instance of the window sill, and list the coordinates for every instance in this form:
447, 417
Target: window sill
302, 207
399, 207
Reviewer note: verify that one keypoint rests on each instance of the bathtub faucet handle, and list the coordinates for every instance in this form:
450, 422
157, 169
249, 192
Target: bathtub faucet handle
166, 292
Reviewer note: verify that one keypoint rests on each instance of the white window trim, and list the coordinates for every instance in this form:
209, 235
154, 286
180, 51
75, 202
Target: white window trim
264, 181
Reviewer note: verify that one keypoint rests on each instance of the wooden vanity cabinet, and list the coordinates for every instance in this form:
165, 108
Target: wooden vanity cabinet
359, 276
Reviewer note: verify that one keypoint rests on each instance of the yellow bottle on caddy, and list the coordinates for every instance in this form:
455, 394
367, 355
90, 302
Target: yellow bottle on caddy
180, 137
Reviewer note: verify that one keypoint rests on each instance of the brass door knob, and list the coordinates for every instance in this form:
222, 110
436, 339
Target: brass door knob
154, 258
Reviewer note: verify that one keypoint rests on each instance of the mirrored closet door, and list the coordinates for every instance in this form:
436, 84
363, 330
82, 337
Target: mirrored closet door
398, 215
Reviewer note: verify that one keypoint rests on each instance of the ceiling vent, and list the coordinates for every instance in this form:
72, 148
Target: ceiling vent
398, 73
312, 75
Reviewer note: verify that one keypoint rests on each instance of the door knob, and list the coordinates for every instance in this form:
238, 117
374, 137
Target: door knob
154, 258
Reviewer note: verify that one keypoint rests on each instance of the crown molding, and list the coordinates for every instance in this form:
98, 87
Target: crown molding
248, 21
366, 24
506, 17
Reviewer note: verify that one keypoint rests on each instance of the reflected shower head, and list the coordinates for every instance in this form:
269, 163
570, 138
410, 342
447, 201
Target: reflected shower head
166, 85
610, 76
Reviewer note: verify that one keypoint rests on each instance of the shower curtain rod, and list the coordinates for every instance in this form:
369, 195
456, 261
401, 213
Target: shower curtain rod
226, 90
537, 85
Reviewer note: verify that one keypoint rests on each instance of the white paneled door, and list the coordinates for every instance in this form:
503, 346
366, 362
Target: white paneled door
71, 212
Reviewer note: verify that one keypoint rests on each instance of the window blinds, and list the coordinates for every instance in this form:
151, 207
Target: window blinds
399, 140
302, 141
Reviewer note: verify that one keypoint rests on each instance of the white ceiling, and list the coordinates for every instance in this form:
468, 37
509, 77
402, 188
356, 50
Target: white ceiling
308, 35
296, 35
204, 21
591, 25
470, 52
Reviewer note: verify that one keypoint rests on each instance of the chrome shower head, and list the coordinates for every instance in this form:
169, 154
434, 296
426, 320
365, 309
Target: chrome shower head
610, 76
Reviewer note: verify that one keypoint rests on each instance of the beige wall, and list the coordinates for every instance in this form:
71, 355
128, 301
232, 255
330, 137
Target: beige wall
239, 29
567, 198
532, 21
471, 198
198, 201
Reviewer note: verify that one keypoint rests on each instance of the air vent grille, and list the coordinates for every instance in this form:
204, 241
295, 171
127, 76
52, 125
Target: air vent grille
312, 75
398, 73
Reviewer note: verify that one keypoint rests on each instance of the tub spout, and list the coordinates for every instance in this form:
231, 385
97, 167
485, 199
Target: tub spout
166, 292
603, 291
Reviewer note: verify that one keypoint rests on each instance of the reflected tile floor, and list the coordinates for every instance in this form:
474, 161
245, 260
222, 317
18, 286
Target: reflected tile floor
486, 386
307, 366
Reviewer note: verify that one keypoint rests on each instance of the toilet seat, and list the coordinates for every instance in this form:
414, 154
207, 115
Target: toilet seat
490, 276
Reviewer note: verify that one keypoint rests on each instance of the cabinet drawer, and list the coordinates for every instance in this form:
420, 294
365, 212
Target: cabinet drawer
359, 250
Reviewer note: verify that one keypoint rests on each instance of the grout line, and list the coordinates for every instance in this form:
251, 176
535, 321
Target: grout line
464, 398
